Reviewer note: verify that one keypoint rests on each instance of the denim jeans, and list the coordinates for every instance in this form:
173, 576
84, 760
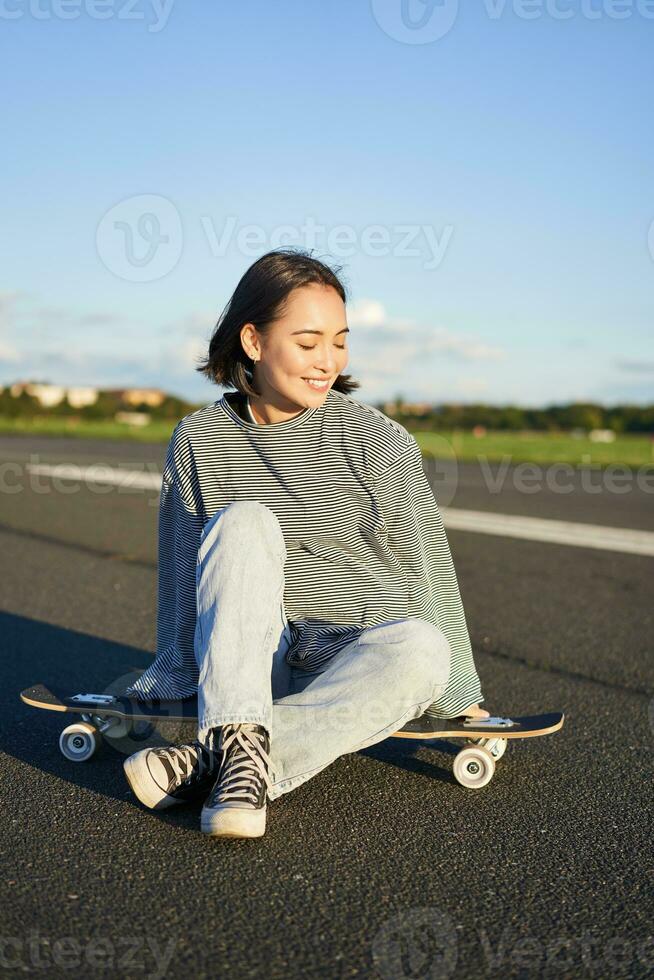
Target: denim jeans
369, 689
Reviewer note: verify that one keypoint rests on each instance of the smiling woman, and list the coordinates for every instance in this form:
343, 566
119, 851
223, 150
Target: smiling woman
306, 589
281, 340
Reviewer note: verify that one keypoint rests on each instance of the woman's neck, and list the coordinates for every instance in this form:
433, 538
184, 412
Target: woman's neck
250, 413
271, 410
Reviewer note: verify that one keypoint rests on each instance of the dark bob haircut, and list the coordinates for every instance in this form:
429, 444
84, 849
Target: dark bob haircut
260, 298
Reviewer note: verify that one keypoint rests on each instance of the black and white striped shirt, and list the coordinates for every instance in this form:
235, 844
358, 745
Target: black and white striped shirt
364, 538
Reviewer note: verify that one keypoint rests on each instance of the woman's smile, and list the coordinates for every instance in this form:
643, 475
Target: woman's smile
317, 385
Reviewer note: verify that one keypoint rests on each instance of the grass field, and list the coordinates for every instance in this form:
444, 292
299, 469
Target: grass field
154, 432
532, 447
539, 447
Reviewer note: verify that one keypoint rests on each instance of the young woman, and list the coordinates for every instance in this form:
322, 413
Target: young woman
306, 588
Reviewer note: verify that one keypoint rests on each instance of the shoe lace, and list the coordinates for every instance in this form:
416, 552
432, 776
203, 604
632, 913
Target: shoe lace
190, 759
244, 765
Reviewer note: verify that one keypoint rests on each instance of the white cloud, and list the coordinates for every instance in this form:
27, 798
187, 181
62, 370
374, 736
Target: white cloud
8, 353
198, 323
8, 300
403, 337
636, 366
186, 340
181, 358
366, 313
370, 314
443, 341
56, 314
389, 355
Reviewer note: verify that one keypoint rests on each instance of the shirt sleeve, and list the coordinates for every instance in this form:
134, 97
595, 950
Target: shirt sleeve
417, 537
173, 673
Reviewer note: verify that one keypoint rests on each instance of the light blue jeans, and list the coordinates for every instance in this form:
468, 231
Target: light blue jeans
385, 677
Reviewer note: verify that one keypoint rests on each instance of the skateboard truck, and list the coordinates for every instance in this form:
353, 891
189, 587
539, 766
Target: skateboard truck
478, 723
103, 699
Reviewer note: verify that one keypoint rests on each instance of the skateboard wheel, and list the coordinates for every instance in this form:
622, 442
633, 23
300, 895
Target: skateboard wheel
496, 746
474, 766
117, 728
79, 742
135, 731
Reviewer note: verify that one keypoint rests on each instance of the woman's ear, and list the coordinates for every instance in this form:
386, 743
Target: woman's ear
249, 341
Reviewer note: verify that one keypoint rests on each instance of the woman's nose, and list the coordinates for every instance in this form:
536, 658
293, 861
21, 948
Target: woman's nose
326, 362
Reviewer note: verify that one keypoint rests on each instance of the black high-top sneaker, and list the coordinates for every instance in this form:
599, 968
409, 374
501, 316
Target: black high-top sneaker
177, 774
236, 806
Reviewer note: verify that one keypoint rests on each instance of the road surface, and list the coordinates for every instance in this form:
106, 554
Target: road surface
381, 866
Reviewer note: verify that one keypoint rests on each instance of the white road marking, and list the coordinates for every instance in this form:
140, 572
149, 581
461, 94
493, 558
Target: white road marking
554, 532
99, 473
569, 533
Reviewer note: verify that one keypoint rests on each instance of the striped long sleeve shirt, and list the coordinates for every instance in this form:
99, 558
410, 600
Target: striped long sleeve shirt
364, 538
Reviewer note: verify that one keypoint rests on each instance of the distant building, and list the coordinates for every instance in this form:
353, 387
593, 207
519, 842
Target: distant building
407, 408
133, 418
49, 395
137, 396
601, 435
418, 408
78, 396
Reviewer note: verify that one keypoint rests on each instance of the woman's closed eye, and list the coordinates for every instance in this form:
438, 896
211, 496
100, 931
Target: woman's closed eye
313, 348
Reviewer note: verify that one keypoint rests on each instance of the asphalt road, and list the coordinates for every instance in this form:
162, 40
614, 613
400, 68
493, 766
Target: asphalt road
381, 866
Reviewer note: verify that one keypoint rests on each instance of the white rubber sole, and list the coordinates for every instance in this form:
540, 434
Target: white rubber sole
233, 822
143, 785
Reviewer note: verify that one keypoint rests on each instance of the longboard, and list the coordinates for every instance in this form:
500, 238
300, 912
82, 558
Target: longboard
117, 717
528, 726
108, 715
487, 738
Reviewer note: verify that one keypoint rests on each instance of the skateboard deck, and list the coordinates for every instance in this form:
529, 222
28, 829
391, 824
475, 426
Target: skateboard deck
110, 705
118, 717
108, 715
528, 726
487, 740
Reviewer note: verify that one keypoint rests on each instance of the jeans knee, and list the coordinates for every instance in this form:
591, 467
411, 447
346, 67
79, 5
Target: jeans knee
429, 651
247, 522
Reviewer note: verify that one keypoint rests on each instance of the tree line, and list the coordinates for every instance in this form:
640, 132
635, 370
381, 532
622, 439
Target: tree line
106, 406
553, 418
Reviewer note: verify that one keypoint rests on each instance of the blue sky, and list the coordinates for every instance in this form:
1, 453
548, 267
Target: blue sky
484, 172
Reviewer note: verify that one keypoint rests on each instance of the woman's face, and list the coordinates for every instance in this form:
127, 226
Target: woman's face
309, 341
